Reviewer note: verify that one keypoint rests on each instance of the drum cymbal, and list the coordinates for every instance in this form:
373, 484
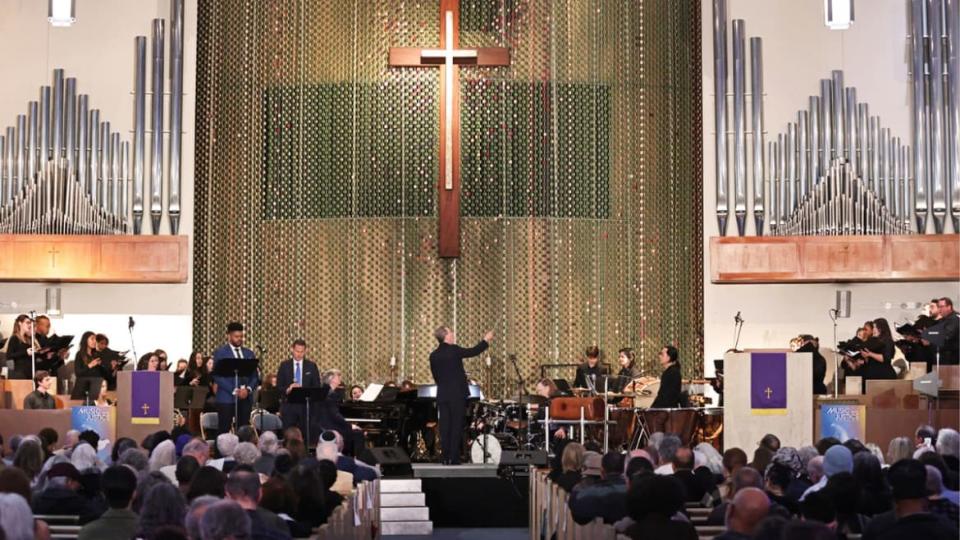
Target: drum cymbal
532, 399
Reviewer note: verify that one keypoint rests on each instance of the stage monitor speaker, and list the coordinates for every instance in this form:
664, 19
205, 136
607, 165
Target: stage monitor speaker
513, 458
843, 304
393, 460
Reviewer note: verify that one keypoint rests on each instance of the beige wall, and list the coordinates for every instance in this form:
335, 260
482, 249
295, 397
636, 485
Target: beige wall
99, 51
798, 50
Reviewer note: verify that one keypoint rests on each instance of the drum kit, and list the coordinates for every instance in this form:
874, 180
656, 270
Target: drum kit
517, 424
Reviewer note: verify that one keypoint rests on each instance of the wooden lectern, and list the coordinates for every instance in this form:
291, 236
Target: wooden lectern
14, 390
125, 425
743, 426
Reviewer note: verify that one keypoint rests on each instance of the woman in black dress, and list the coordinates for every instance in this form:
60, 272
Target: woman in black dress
878, 353
19, 349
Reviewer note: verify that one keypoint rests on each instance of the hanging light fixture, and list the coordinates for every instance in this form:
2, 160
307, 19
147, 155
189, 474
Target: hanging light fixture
61, 12
838, 14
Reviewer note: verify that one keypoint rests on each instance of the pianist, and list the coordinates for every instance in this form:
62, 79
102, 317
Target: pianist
329, 416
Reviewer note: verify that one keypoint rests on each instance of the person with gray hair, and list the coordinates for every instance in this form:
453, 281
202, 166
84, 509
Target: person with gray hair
667, 450
84, 458
16, 519
246, 454
199, 449
163, 455
163, 506
948, 443
226, 446
225, 520
195, 513
744, 477
446, 366
936, 504
899, 448
269, 445
135, 459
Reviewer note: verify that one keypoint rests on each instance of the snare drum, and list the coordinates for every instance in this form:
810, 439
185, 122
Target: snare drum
494, 444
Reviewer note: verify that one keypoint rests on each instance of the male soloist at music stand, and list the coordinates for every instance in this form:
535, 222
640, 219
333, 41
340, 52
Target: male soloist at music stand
233, 392
446, 364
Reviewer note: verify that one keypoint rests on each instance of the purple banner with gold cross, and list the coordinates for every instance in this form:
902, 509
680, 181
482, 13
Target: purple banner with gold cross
145, 397
768, 383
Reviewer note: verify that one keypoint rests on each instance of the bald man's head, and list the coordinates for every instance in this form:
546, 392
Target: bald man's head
683, 459
748, 508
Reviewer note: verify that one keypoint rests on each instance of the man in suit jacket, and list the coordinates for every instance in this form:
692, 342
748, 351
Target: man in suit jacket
296, 372
446, 365
670, 381
226, 389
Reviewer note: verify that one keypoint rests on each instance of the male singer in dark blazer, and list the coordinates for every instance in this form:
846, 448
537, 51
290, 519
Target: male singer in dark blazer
446, 364
233, 348
296, 372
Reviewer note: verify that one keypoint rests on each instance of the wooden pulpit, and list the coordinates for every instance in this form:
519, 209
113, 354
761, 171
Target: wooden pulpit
749, 382
131, 424
14, 390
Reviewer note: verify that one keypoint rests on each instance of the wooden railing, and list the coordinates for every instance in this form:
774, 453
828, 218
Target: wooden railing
357, 518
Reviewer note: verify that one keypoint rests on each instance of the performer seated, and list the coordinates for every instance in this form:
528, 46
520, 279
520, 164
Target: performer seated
546, 388
628, 370
19, 348
669, 396
329, 416
590, 369
446, 365
296, 372
41, 398
355, 392
227, 387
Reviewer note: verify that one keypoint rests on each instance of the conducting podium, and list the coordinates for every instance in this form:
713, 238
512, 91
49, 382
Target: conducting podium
767, 391
144, 403
308, 396
231, 374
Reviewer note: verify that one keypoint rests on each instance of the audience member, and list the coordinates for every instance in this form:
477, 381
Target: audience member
652, 502
667, 449
164, 454
122, 444
875, 497
825, 444
837, 459
186, 468
909, 520
744, 477
145, 482
119, 522
29, 457
195, 513
693, 490
13, 480
268, 450
747, 509
163, 506
936, 504
225, 520
310, 492
776, 482
60, 495
207, 481
16, 520
605, 499
571, 461
134, 458
246, 454
899, 448
226, 446
243, 487
843, 493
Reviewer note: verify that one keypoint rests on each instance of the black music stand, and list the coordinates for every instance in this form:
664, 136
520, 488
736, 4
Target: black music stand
306, 396
235, 367
87, 389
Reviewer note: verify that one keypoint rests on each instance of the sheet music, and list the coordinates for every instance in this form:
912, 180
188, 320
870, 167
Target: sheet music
371, 392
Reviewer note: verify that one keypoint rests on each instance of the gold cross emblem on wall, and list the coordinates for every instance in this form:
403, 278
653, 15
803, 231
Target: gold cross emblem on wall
53, 257
146, 409
768, 392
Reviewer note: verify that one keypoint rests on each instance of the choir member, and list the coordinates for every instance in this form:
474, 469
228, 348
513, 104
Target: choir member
296, 372
227, 387
19, 348
41, 398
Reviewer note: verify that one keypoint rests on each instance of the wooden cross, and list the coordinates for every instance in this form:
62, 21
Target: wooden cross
449, 57
146, 409
53, 256
768, 391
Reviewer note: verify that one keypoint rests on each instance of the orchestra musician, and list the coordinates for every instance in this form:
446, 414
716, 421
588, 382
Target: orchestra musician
227, 387
19, 348
590, 369
329, 416
296, 372
446, 365
547, 389
628, 369
670, 394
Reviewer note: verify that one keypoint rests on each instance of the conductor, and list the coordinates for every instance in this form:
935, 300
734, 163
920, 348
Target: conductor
446, 365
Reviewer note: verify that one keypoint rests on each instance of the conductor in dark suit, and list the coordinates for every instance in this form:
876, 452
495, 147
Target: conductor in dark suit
226, 387
446, 365
669, 395
296, 372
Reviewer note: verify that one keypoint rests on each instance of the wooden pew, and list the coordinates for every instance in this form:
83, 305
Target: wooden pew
357, 518
550, 516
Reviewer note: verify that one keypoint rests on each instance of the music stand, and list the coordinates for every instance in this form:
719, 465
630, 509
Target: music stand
305, 396
229, 366
87, 389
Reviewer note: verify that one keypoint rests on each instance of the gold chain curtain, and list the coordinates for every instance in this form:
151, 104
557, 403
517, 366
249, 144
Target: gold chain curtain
317, 170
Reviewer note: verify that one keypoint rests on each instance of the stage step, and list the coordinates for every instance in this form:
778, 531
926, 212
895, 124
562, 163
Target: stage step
405, 513
400, 485
391, 528
390, 500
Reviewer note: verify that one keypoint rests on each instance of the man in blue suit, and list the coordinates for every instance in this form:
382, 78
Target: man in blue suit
297, 372
226, 389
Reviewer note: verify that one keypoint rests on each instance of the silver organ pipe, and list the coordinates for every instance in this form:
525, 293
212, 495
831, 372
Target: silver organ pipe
156, 167
739, 128
720, 111
176, 111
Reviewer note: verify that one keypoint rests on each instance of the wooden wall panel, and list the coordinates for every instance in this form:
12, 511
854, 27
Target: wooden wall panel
94, 259
800, 259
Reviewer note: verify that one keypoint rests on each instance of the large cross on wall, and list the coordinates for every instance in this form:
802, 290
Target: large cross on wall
449, 57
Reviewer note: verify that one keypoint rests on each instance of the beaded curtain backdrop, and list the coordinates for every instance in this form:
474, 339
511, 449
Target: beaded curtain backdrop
580, 164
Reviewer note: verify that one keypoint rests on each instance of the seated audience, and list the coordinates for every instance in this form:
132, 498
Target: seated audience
837, 459
186, 469
198, 507
134, 458
843, 493
163, 455
606, 498
60, 495
875, 497
693, 488
312, 505
243, 487
119, 522
226, 446
268, 449
652, 502
909, 520
278, 497
16, 520
571, 461
225, 520
163, 507
207, 481
776, 482
29, 457
744, 477
936, 504
666, 450
246, 454
747, 509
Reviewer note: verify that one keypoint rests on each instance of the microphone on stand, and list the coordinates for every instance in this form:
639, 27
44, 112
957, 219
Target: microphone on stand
131, 323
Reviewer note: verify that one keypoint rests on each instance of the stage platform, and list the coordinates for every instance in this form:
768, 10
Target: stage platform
474, 496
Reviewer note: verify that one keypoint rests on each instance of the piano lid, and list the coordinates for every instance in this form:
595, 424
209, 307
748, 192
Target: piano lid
429, 391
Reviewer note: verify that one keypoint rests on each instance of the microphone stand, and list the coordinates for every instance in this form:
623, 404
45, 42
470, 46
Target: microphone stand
524, 431
737, 327
836, 357
33, 345
133, 347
